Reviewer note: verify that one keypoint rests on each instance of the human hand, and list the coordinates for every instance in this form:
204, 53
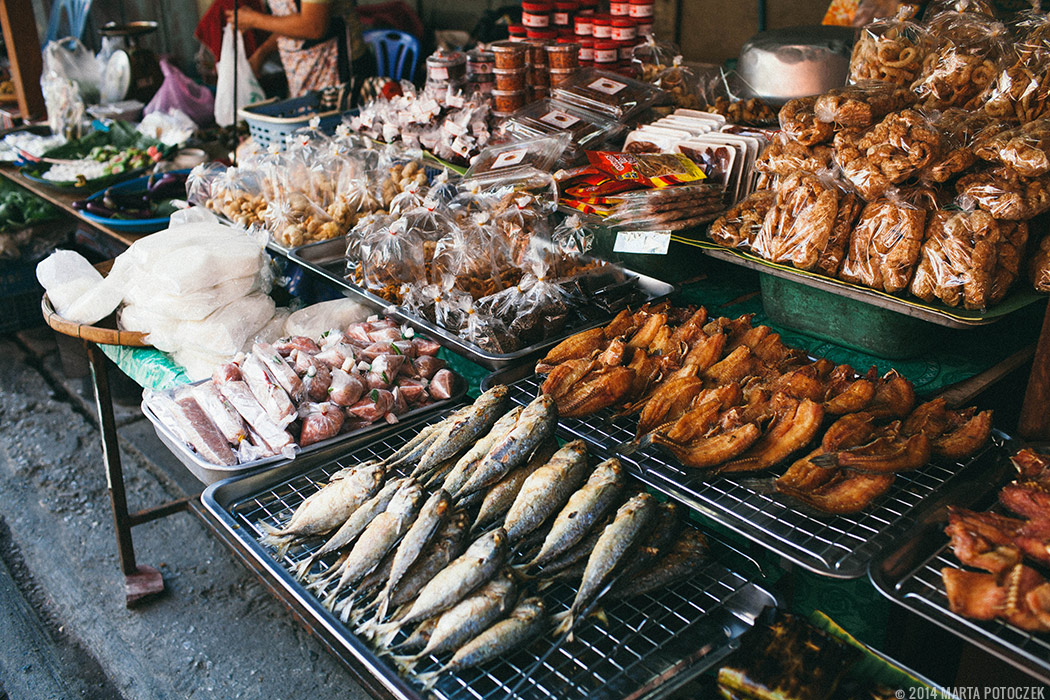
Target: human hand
245, 18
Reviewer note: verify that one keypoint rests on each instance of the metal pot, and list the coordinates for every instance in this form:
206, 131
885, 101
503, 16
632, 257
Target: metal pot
782, 64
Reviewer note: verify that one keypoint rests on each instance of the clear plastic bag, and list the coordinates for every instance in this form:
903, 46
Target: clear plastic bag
652, 57
483, 330
784, 156
739, 226
1025, 149
607, 93
884, 246
199, 182
958, 259
293, 219
798, 120
238, 195
669, 209
541, 152
1009, 258
572, 237
682, 84
850, 208
962, 130
862, 104
797, 228
1021, 91
969, 53
536, 308
902, 144
1039, 266
890, 50
1005, 194
390, 256
365, 228
518, 217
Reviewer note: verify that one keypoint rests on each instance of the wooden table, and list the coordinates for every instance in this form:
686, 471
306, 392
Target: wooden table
140, 581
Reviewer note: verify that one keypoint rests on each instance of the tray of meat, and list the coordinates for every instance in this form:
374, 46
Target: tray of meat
459, 556
301, 395
979, 567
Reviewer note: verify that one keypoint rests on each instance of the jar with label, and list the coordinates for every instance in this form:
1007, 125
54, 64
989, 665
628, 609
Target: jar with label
537, 55
623, 29
480, 62
606, 54
586, 55
602, 27
510, 79
563, 55
563, 12
619, 8
516, 32
507, 101
443, 65
536, 15
542, 34
583, 25
509, 55
641, 9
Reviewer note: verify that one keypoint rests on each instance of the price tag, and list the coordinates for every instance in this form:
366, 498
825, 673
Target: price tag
644, 242
508, 158
609, 87
559, 119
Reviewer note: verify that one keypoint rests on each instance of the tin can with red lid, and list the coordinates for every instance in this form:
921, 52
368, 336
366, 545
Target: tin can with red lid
641, 9
536, 15
619, 8
516, 32
623, 29
544, 34
563, 12
583, 25
586, 55
606, 53
602, 27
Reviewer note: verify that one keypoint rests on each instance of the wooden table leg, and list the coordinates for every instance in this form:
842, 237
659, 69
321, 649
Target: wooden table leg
1034, 423
139, 581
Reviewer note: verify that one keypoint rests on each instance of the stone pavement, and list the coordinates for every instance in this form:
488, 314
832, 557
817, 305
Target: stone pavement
215, 632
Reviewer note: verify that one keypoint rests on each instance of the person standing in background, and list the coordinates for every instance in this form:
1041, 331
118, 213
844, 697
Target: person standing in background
319, 41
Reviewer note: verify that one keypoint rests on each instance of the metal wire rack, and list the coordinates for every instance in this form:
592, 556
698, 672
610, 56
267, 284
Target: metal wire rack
834, 546
643, 638
910, 575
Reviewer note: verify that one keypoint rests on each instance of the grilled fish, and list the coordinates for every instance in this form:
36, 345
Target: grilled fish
546, 490
616, 541
527, 621
414, 448
535, 424
329, 508
584, 509
686, 555
466, 464
466, 427
500, 496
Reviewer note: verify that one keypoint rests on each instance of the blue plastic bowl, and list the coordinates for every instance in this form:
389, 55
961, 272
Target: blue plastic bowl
128, 225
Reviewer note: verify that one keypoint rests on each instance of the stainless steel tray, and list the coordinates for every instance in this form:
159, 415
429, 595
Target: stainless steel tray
209, 473
941, 315
909, 574
328, 259
837, 546
651, 645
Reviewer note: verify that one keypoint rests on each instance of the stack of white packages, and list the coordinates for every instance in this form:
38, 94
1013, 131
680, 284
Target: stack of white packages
198, 291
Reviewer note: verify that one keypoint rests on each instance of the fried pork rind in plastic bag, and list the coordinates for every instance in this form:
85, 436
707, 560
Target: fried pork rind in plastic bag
861, 105
963, 130
797, 228
884, 246
958, 259
1005, 194
850, 208
1021, 92
1039, 266
237, 194
899, 146
1025, 149
969, 53
784, 156
739, 226
390, 256
653, 57
751, 111
799, 121
890, 51
1011, 254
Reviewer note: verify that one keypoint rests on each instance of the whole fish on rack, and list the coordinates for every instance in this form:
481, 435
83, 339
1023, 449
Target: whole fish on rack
329, 508
483, 558
617, 540
355, 524
526, 621
584, 508
546, 490
500, 496
466, 427
533, 427
468, 618
689, 551
662, 535
379, 537
465, 465
414, 448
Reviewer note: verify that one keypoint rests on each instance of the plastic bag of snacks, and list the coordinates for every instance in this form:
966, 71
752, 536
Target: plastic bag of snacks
1039, 266
199, 182
572, 237
1021, 92
784, 156
483, 330
739, 226
884, 246
652, 57
1024, 149
797, 228
798, 119
890, 50
535, 308
681, 83
293, 219
519, 217
363, 229
238, 195
969, 52
1011, 254
1005, 194
962, 130
958, 259
862, 104
830, 260
899, 146
390, 256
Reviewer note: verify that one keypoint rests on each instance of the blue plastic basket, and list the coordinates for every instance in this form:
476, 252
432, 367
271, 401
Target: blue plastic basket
271, 120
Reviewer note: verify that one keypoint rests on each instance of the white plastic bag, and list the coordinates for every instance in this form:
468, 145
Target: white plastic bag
247, 87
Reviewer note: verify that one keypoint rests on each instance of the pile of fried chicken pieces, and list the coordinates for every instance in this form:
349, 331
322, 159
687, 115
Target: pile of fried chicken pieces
998, 544
725, 396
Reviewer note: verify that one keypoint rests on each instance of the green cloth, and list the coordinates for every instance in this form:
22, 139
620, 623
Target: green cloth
148, 367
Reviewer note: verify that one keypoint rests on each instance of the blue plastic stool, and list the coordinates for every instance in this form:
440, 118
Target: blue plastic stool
76, 12
394, 49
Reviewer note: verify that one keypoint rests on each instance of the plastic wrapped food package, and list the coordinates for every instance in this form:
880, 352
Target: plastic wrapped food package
968, 55
196, 305
541, 152
751, 111
668, 209
199, 182
799, 121
239, 195
681, 83
76, 289
313, 320
849, 210
293, 219
797, 228
1025, 149
890, 50
586, 129
572, 236
962, 130
537, 307
958, 259
739, 226
862, 104
653, 57
607, 93
784, 156
1039, 266
391, 255
1021, 91
900, 145
1005, 194
1009, 259
884, 246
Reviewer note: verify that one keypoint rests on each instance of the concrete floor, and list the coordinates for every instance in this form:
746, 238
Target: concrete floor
214, 633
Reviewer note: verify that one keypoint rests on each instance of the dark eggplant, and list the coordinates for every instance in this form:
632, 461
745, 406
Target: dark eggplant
99, 209
109, 213
80, 204
121, 200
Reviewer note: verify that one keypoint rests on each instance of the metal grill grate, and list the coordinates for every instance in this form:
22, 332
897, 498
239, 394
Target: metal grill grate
836, 546
644, 637
921, 589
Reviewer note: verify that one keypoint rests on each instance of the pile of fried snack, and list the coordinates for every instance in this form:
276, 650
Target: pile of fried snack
1006, 588
428, 541
725, 396
921, 175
